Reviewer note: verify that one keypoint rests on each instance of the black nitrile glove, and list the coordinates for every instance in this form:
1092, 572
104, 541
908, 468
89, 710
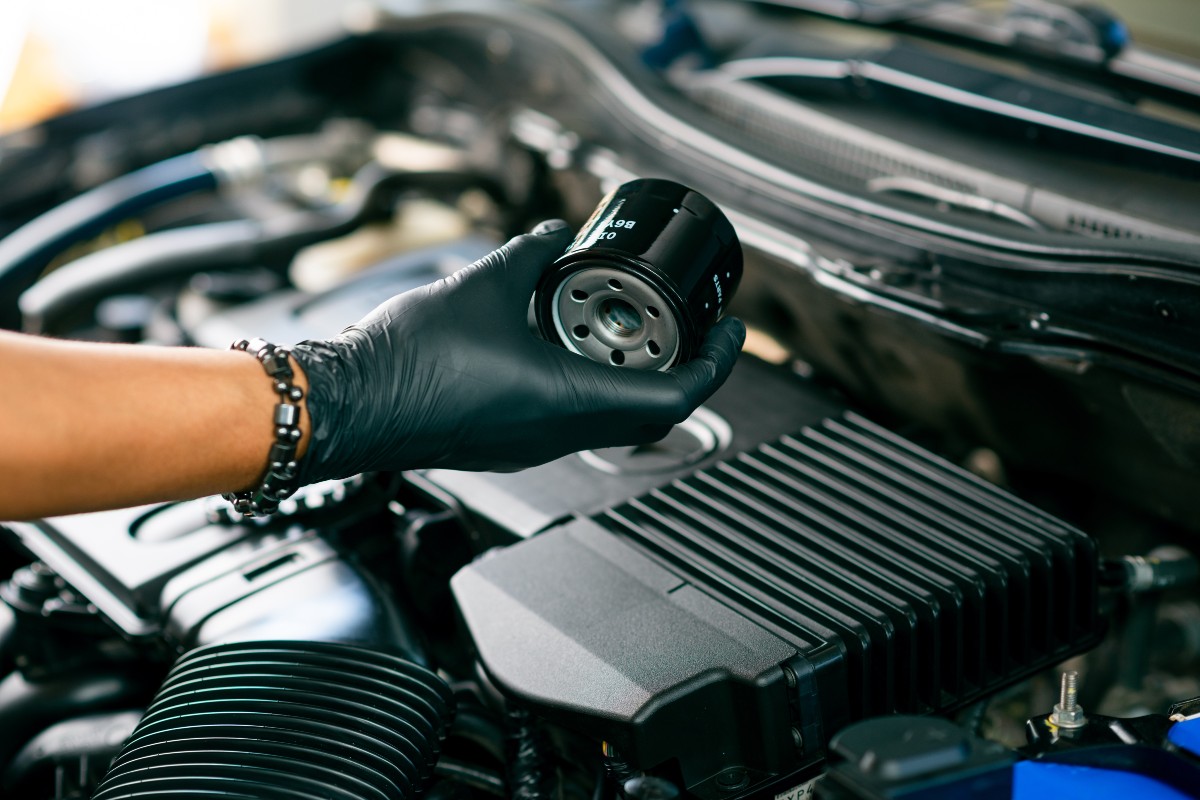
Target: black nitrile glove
449, 375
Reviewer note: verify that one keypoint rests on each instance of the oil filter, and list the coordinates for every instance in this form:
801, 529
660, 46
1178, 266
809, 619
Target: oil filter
646, 278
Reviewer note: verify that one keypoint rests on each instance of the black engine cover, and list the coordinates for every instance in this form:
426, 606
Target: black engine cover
732, 619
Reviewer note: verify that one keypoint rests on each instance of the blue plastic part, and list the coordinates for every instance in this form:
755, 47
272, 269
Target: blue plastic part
1034, 780
1115, 36
680, 36
1186, 735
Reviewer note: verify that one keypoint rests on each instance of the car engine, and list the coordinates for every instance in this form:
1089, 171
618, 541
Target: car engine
935, 537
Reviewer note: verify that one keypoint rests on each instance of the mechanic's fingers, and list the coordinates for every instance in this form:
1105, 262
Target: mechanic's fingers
705, 373
662, 398
654, 433
549, 226
527, 257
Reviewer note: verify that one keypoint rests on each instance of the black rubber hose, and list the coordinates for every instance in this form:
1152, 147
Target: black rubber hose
266, 720
143, 260
531, 771
25, 252
222, 245
485, 780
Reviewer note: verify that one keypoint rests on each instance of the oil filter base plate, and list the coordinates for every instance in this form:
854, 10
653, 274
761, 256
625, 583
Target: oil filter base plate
616, 317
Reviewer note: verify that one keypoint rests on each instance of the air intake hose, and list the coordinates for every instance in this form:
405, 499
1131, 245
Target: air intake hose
286, 720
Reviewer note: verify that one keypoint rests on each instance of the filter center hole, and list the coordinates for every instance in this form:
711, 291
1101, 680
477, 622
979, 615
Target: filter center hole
619, 316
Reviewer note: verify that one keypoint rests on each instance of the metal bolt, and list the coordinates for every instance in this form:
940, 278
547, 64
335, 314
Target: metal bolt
1068, 713
1069, 694
797, 739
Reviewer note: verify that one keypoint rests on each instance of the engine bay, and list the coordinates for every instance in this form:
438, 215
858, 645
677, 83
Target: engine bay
933, 538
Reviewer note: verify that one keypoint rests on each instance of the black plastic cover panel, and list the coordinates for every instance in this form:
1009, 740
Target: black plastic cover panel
578, 624
739, 615
937, 586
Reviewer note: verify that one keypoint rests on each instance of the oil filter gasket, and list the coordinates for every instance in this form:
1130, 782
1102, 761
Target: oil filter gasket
648, 275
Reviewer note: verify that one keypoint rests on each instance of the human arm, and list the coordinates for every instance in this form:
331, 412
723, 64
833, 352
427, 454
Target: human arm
86, 426
447, 375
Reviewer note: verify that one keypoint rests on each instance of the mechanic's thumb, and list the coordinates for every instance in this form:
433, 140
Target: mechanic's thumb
527, 257
549, 226
705, 373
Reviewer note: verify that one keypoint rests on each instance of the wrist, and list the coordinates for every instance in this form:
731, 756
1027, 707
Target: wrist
280, 378
327, 380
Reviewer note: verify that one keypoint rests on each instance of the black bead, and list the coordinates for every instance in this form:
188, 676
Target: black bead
295, 394
280, 453
276, 364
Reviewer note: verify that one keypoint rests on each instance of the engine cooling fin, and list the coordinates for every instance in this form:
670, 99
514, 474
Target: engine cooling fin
265, 720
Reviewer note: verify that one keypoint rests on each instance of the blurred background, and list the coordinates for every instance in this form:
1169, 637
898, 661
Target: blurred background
57, 54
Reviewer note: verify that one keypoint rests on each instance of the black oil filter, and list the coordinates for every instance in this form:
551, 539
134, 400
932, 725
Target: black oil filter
648, 275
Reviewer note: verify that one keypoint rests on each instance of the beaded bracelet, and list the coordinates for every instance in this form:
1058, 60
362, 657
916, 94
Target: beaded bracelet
280, 480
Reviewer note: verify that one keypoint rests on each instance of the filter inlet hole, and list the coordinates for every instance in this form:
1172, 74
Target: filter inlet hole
615, 284
617, 357
652, 311
579, 295
653, 349
580, 331
619, 316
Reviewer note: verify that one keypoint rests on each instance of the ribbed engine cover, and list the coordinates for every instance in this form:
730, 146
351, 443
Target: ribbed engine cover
737, 617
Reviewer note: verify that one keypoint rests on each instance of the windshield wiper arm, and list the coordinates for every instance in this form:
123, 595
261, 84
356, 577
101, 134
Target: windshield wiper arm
916, 78
1081, 36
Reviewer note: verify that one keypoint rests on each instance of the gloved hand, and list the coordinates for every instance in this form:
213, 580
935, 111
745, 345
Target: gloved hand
449, 375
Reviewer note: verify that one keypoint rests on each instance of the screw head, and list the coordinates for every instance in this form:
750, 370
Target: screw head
732, 779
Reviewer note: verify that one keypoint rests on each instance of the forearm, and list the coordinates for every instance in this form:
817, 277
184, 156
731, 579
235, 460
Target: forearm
90, 426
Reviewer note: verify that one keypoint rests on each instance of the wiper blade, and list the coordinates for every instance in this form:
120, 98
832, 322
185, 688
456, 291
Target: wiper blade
1081, 36
915, 78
